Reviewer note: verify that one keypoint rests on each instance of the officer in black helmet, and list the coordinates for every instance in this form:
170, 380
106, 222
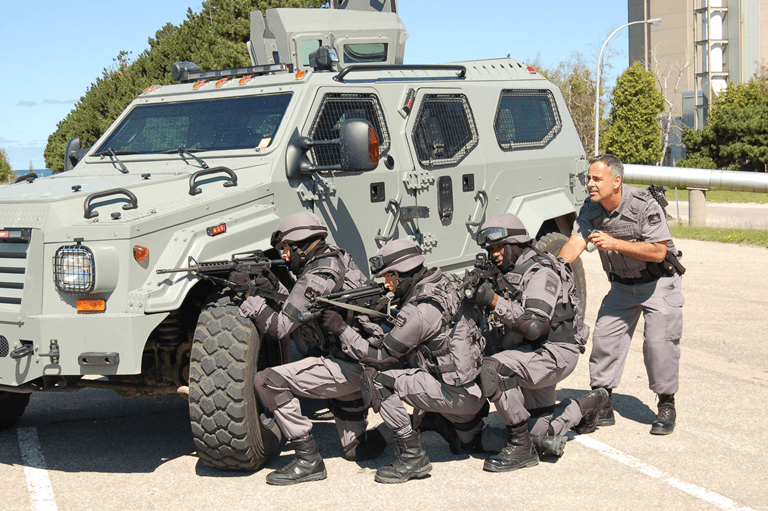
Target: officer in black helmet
440, 338
537, 328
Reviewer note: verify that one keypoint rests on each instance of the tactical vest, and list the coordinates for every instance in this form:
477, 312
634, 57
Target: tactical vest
309, 337
455, 353
567, 324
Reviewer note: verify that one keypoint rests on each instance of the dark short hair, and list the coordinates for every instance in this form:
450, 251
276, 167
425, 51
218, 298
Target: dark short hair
613, 163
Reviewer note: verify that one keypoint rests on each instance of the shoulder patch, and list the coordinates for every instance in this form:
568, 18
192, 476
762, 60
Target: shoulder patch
551, 286
654, 218
311, 293
400, 321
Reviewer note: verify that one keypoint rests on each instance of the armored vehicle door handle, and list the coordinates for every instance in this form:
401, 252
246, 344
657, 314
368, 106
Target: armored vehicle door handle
193, 190
87, 205
484, 201
383, 238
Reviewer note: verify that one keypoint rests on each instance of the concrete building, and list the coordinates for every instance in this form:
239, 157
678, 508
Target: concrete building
707, 43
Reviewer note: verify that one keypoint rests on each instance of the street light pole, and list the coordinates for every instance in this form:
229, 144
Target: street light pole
654, 21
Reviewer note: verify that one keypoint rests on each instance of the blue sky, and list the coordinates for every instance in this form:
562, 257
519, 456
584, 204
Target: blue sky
51, 52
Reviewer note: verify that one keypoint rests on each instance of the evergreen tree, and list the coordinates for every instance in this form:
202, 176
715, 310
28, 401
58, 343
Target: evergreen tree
5, 166
214, 38
736, 134
634, 135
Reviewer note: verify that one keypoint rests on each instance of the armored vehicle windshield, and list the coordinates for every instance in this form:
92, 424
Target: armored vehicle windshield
206, 125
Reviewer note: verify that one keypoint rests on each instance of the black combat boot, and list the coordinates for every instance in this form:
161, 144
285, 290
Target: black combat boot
591, 405
549, 444
306, 466
665, 419
519, 452
412, 461
431, 421
606, 417
371, 444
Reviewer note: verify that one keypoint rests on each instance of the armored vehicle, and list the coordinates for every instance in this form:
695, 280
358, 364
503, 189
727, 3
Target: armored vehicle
328, 119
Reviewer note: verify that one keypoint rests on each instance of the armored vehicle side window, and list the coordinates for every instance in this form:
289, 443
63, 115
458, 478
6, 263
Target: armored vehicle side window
337, 108
206, 125
445, 131
365, 52
526, 119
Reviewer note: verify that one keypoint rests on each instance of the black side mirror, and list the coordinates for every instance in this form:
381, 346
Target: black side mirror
358, 146
73, 153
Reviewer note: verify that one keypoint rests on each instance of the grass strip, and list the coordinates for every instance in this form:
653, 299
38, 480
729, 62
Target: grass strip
749, 236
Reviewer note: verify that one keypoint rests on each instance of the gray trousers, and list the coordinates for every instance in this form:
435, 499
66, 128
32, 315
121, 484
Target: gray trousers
321, 378
661, 304
421, 390
538, 374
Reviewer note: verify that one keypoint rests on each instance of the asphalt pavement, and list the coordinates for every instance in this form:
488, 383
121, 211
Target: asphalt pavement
96, 450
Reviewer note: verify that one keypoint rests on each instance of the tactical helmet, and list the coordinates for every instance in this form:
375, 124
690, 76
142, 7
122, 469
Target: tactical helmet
504, 228
399, 255
296, 227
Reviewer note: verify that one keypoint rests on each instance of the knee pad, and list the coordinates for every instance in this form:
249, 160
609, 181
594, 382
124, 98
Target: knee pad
371, 395
272, 389
355, 410
495, 379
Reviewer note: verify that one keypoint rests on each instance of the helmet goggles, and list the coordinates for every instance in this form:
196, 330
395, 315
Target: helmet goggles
494, 235
379, 262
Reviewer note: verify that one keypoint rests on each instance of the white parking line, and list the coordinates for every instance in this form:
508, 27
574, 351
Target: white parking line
690, 489
38, 483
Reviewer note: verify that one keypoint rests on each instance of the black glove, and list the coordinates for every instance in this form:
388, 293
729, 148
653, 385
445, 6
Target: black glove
484, 294
333, 322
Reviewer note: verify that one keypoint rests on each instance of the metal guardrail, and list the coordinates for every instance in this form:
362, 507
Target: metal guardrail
698, 181
705, 179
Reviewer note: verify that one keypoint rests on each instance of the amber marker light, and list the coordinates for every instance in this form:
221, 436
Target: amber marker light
373, 146
300, 74
91, 305
141, 254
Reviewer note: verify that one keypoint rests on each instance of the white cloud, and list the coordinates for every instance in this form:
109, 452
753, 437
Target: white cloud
46, 102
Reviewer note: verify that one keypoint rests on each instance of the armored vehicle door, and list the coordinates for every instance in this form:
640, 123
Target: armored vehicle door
443, 194
353, 204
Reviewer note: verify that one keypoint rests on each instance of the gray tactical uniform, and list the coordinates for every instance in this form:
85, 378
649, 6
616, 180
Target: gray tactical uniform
325, 375
635, 290
548, 290
440, 338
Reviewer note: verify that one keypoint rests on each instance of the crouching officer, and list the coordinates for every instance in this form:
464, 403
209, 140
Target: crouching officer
442, 342
535, 316
319, 268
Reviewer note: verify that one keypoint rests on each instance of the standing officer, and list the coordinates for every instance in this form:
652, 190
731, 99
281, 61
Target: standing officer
439, 336
327, 373
630, 230
535, 316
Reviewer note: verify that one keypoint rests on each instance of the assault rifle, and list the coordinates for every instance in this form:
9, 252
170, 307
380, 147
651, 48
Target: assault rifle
238, 273
483, 271
357, 300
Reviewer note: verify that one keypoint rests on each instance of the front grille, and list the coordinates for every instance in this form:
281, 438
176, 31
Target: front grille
4, 348
13, 267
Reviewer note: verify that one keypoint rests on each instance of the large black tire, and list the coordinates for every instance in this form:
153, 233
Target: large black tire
553, 242
223, 407
12, 407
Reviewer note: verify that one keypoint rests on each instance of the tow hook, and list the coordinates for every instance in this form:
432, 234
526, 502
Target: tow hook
27, 350
54, 354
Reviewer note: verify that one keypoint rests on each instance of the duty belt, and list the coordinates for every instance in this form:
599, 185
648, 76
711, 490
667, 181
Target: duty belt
643, 279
